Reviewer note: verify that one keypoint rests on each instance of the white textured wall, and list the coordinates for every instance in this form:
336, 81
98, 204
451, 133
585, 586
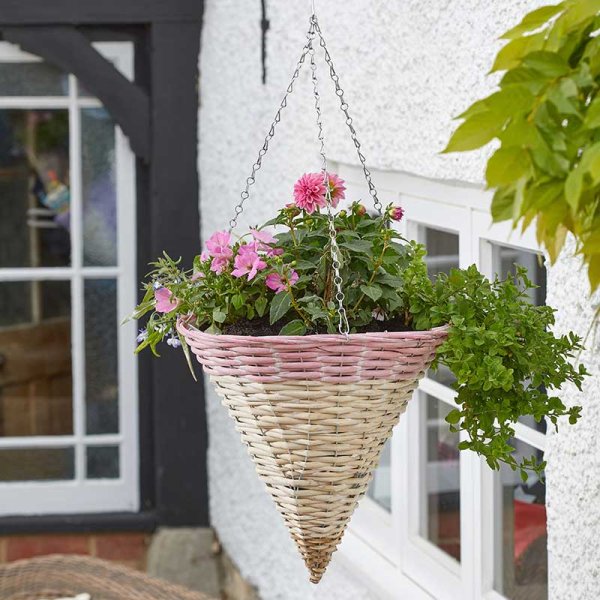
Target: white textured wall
407, 66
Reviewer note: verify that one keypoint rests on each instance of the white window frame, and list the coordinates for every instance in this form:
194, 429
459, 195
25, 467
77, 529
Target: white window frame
82, 495
388, 547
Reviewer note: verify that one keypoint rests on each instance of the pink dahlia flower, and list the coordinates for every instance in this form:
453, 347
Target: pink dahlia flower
218, 245
247, 262
337, 189
309, 192
277, 283
165, 302
396, 213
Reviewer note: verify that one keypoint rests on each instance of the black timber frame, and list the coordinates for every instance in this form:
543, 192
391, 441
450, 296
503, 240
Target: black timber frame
158, 112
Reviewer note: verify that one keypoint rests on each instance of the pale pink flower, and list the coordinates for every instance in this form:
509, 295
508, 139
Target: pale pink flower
396, 213
247, 248
218, 264
247, 262
165, 302
337, 188
204, 256
197, 275
277, 283
309, 192
263, 236
218, 245
274, 251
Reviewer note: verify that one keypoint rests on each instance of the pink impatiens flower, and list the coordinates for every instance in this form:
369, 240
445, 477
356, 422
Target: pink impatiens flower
277, 283
336, 188
165, 302
218, 264
248, 262
218, 245
309, 192
263, 236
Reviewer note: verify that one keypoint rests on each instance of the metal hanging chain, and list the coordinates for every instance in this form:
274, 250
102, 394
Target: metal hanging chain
239, 208
343, 325
349, 121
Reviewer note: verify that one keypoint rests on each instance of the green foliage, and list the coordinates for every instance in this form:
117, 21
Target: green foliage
546, 116
502, 352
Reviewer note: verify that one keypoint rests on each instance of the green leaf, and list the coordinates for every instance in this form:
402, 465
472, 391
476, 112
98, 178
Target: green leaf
372, 291
475, 132
506, 165
260, 305
580, 11
574, 187
357, 245
592, 117
279, 306
237, 301
549, 64
502, 204
510, 56
296, 327
218, 315
453, 417
533, 20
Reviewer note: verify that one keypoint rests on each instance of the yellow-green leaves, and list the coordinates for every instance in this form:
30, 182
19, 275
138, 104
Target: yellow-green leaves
506, 165
476, 131
534, 20
546, 116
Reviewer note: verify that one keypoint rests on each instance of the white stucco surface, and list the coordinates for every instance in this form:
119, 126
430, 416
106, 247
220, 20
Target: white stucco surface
407, 68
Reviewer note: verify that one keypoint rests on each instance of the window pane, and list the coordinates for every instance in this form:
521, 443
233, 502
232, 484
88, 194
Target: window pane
505, 260
442, 250
380, 488
521, 558
103, 462
101, 360
37, 464
442, 479
34, 188
35, 359
32, 79
99, 188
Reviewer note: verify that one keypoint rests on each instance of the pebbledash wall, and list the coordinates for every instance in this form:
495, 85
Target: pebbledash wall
407, 67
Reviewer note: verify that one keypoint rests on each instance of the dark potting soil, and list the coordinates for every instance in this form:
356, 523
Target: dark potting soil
262, 326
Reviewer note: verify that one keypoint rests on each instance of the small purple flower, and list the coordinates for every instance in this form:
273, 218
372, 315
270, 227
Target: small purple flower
142, 335
174, 342
157, 285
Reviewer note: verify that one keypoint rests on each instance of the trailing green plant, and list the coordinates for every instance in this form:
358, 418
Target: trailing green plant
500, 347
546, 117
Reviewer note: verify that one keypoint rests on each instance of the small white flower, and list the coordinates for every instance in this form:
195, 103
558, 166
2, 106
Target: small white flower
157, 285
142, 335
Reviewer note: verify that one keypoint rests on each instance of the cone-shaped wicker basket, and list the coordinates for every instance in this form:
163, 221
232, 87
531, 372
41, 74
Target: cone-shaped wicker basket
315, 412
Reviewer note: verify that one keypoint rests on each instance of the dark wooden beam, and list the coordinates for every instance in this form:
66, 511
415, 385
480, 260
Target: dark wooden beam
68, 49
81, 12
179, 415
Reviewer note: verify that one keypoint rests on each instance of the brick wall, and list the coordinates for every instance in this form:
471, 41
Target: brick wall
129, 548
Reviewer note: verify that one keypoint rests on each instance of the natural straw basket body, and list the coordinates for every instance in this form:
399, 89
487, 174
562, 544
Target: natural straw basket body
315, 412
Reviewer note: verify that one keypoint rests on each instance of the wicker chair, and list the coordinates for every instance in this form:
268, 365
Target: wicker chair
59, 576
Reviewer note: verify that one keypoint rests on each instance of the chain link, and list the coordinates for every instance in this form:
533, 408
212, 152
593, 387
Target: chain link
309, 49
343, 325
349, 121
239, 208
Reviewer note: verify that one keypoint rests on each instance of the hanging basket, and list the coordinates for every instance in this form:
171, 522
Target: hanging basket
315, 412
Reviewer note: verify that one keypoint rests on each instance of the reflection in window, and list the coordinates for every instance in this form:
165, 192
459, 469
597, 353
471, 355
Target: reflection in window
442, 480
521, 557
380, 488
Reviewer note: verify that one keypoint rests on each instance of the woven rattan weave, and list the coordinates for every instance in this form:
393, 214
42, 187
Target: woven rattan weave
61, 576
315, 412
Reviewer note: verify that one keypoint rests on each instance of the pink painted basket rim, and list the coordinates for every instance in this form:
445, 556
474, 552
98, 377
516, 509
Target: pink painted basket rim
186, 328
